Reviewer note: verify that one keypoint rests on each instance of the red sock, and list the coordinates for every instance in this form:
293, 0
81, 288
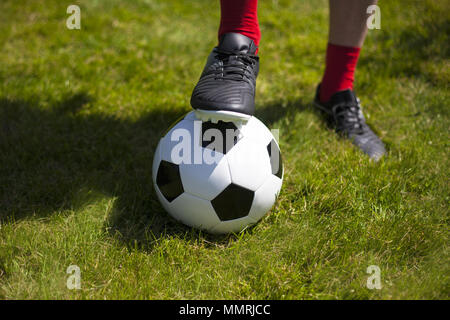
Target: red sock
240, 16
339, 71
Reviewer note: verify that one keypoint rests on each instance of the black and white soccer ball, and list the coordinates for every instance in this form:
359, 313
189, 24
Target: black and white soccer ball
219, 177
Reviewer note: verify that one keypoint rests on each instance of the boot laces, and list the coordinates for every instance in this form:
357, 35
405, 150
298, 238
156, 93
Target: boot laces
234, 65
349, 118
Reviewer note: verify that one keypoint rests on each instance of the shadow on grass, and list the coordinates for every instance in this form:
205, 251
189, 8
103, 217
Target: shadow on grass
50, 157
47, 157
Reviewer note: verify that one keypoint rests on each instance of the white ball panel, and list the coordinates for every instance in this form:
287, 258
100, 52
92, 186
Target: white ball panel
191, 116
249, 164
265, 197
193, 211
256, 130
236, 225
205, 181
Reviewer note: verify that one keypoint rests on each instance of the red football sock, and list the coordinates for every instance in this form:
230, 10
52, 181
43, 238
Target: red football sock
339, 71
240, 16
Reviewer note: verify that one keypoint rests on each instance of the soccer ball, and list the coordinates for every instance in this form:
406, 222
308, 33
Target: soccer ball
219, 177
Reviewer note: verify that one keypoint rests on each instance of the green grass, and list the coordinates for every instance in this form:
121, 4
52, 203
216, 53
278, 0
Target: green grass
81, 112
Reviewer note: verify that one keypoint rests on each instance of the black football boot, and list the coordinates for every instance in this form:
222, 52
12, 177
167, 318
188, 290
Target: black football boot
226, 89
343, 111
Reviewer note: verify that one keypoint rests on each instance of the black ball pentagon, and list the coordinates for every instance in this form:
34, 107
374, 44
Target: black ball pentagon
233, 202
229, 136
275, 158
168, 180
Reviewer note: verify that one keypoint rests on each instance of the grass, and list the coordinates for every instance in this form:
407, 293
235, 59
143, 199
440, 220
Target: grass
81, 112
